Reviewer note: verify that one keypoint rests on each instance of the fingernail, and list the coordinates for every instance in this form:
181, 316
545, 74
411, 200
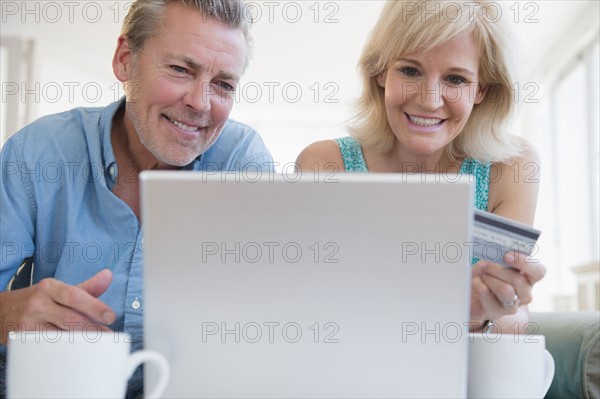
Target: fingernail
483, 266
108, 317
511, 257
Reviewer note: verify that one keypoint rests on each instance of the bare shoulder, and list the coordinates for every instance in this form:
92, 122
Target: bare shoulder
321, 155
514, 185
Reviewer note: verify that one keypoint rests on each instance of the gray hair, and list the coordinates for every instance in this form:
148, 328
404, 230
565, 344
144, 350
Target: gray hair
144, 17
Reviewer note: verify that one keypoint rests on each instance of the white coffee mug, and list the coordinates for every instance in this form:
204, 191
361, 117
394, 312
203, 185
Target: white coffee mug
76, 364
509, 366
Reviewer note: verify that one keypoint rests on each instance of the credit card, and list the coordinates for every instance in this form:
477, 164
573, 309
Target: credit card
494, 236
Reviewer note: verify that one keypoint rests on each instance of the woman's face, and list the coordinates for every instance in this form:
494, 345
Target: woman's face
429, 96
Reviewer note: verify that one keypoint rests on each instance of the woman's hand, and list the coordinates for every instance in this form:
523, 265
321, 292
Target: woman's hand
498, 291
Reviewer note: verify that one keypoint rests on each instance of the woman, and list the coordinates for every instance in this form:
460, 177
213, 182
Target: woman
437, 98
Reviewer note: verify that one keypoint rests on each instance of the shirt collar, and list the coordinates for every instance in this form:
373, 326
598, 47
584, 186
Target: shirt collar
191, 165
108, 154
106, 121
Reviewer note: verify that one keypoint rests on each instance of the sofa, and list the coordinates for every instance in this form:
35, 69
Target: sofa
573, 339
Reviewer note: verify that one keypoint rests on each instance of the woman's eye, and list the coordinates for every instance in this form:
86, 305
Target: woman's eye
457, 80
409, 71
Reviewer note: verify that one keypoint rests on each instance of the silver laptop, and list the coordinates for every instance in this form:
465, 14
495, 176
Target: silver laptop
308, 285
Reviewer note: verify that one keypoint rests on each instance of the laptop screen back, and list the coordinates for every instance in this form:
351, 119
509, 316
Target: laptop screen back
356, 286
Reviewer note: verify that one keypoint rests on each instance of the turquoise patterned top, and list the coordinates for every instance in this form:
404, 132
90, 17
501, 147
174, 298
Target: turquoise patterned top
354, 161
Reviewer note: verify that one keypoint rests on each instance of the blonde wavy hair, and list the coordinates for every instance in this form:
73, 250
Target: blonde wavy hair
408, 26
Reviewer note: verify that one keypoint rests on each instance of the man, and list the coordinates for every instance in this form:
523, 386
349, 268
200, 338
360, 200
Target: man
180, 62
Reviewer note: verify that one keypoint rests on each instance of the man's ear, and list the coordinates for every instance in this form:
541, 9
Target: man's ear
123, 59
481, 92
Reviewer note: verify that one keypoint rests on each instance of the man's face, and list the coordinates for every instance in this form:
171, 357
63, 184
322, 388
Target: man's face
180, 86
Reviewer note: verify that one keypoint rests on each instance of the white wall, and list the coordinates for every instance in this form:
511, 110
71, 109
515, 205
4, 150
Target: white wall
308, 45
297, 89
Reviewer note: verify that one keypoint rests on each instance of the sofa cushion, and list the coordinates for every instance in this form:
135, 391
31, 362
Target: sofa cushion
573, 339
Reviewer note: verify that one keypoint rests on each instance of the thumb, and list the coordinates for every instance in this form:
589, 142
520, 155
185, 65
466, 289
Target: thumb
98, 284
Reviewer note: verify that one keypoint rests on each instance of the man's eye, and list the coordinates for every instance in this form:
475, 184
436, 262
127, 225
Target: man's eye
226, 86
178, 69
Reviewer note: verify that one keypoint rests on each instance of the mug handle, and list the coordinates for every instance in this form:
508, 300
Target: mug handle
549, 372
164, 371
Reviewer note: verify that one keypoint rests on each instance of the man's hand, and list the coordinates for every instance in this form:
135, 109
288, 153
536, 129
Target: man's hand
56, 305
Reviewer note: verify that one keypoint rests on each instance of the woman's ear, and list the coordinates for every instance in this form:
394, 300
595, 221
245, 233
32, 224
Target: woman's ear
481, 92
122, 60
381, 78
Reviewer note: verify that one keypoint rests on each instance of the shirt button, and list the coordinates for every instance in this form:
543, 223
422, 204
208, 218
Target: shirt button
136, 304
111, 170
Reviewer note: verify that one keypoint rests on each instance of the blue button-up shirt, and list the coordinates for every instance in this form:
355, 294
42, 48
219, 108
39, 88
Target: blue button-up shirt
57, 203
